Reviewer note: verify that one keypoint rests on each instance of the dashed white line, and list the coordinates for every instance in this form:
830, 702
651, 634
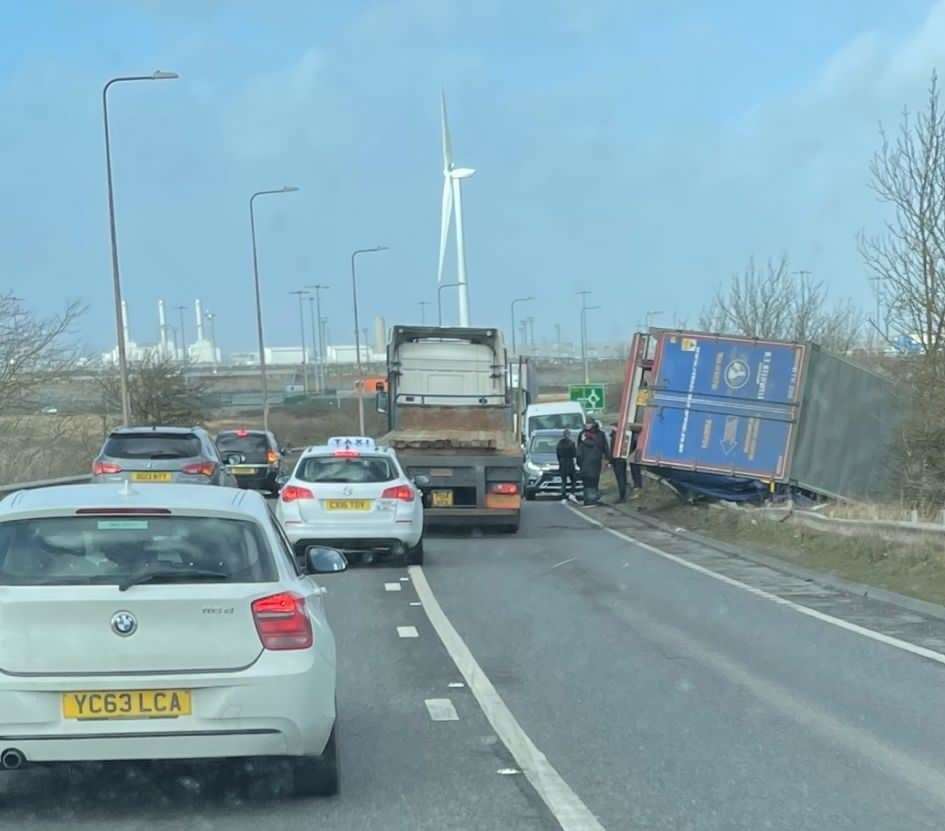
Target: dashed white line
888, 640
404, 579
568, 809
441, 709
407, 632
415, 603
392, 587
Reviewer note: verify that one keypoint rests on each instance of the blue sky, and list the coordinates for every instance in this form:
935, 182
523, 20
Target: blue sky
641, 150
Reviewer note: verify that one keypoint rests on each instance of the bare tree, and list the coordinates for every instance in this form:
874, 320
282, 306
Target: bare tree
35, 354
908, 256
160, 393
774, 302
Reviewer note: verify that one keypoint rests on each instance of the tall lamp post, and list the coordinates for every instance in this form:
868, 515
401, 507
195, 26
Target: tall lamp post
357, 331
259, 321
116, 275
302, 293
517, 300
439, 300
317, 327
423, 311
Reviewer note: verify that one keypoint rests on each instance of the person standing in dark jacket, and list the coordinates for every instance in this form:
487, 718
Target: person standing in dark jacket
592, 449
567, 453
619, 464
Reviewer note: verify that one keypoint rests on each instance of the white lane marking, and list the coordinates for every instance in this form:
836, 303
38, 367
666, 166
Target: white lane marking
392, 587
404, 579
570, 812
408, 632
456, 685
563, 563
508, 771
889, 640
415, 603
441, 709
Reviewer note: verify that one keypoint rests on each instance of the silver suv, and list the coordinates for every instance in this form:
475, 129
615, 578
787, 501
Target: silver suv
161, 454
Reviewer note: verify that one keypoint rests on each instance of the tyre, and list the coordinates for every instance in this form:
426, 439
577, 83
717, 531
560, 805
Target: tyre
414, 556
318, 775
510, 529
530, 495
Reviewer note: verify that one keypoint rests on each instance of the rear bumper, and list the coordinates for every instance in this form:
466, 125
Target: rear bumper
258, 480
278, 707
470, 517
352, 537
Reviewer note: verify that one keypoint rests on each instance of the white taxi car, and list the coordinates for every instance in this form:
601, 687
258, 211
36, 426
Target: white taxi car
162, 622
353, 495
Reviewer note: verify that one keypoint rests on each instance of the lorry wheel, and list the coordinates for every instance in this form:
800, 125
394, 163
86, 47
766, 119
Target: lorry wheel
530, 495
510, 529
414, 556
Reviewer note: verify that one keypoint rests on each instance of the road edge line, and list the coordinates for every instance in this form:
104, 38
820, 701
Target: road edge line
565, 805
872, 634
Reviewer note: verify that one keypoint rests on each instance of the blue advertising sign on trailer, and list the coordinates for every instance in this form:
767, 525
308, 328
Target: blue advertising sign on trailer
723, 405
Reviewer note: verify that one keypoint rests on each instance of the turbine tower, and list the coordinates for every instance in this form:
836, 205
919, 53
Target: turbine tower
453, 198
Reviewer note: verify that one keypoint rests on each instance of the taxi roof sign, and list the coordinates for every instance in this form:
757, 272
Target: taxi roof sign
352, 443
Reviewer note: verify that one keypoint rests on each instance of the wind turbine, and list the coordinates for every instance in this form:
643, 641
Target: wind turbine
453, 197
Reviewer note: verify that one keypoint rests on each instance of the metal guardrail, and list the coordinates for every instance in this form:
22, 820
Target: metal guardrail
44, 483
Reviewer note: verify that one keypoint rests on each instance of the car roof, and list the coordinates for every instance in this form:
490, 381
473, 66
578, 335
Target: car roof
245, 431
548, 431
325, 450
155, 428
555, 407
190, 499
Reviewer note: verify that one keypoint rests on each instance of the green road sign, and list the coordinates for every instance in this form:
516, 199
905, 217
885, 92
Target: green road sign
591, 396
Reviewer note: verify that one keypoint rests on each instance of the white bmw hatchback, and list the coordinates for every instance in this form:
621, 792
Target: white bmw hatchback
353, 495
166, 622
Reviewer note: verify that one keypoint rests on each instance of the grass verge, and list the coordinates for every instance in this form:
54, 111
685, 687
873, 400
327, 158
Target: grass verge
916, 569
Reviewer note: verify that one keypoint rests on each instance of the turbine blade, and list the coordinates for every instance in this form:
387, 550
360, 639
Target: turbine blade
446, 215
447, 144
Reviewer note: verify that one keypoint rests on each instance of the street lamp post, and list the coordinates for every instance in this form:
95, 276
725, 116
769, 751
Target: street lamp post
517, 300
259, 320
357, 333
317, 322
301, 293
439, 300
584, 295
423, 311
116, 275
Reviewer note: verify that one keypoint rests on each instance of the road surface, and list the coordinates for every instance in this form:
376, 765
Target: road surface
662, 686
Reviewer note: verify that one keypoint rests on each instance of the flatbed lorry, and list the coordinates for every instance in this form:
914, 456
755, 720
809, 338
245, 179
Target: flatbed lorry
451, 419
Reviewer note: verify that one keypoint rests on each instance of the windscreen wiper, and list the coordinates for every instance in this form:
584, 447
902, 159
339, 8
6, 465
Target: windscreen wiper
170, 575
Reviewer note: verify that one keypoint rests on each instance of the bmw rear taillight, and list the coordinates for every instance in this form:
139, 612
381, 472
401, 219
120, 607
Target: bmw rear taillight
105, 468
272, 457
291, 493
504, 488
282, 621
404, 493
200, 468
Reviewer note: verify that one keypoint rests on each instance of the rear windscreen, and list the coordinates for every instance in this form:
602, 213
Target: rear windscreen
153, 446
254, 444
555, 421
85, 550
364, 469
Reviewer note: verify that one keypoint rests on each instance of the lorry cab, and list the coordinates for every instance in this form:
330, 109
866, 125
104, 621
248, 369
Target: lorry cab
553, 415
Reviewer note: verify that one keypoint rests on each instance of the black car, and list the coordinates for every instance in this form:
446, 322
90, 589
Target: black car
541, 465
253, 457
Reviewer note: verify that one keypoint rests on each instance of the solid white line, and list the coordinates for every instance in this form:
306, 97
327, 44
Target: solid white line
441, 709
563, 563
888, 640
570, 812
392, 587
407, 632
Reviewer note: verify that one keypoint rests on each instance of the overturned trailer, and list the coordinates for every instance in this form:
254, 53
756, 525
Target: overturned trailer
744, 408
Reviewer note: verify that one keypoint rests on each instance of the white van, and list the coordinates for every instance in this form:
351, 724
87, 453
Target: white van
554, 415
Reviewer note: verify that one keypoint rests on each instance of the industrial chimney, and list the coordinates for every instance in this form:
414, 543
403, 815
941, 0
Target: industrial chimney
162, 323
199, 312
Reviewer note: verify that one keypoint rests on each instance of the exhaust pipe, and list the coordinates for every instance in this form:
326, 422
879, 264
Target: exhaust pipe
12, 759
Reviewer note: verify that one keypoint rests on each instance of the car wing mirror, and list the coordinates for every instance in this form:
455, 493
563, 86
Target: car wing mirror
422, 481
322, 560
381, 401
234, 459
